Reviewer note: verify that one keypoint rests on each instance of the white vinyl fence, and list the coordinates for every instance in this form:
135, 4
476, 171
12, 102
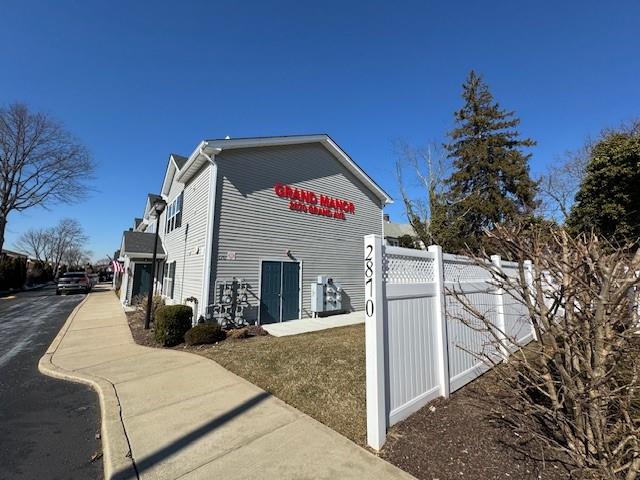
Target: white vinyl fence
420, 340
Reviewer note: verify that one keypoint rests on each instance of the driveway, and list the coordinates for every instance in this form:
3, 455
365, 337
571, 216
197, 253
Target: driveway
47, 427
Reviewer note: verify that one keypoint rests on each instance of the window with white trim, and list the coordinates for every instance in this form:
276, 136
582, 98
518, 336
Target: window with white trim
169, 279
174, 214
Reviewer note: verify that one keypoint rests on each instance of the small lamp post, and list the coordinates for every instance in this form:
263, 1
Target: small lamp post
158, 207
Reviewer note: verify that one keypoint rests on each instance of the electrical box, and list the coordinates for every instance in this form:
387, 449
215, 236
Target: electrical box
326, 295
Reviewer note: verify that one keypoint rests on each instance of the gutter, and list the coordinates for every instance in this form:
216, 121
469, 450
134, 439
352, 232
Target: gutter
209, 155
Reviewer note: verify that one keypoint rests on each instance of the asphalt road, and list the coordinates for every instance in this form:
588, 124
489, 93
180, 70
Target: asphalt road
47, 426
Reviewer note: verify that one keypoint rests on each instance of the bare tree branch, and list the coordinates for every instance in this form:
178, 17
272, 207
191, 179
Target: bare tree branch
559, 185
429, 166
40, 163
575, 389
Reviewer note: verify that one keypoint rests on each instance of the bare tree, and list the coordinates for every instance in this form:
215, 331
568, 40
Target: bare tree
429, 166
102, 263
41, 163
76, 257
67, 236
36, 242
575, 389
559, 185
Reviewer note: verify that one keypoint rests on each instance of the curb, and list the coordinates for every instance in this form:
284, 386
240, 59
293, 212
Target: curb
116, 451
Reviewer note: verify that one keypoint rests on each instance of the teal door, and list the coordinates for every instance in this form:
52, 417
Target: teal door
279, 291
270, 284
290, 290
141, 279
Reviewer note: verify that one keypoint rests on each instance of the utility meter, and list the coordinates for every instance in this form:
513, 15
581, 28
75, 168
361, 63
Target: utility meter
326, 295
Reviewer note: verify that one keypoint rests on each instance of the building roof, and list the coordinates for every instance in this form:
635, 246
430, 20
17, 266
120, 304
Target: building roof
216, 146
397, 230
11, 253
179, 159
137, 222
134, 243
152, 197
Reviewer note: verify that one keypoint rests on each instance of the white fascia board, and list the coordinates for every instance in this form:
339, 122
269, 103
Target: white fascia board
196, 159
168, 177
356, 170
122, 247
134, 255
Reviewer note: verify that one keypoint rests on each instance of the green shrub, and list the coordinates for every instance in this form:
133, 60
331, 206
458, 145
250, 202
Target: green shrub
204, 333
13, 272
171, 323
39, 273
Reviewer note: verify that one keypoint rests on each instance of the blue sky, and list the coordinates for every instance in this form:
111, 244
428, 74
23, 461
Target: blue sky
136, 81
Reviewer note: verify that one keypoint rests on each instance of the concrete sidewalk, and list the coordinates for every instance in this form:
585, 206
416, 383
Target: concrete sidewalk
168, 414
305, 325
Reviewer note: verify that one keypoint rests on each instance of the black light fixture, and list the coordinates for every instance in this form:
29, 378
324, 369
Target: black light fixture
158, 207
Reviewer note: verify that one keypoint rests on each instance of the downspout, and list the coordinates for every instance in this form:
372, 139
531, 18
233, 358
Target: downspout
206, 280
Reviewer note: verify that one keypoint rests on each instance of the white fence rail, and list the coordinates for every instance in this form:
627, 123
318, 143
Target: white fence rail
419, 341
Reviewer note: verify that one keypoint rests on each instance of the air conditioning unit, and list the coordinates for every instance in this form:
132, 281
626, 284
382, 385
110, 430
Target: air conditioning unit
326, 295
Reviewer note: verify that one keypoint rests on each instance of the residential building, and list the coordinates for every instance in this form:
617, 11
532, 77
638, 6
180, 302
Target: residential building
394, 231
271, 213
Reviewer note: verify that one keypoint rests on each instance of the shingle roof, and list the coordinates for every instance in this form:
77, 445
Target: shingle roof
179, 159
136, 222
396, 230
153, 197
140, 242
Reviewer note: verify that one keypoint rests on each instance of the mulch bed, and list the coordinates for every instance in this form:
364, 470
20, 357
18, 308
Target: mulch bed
140, 335
449, 439
461, 438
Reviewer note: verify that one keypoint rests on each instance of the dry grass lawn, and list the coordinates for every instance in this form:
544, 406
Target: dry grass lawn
319, 373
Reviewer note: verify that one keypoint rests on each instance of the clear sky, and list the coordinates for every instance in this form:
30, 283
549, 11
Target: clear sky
136, 81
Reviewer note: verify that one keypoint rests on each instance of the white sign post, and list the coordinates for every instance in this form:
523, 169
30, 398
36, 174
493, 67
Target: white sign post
374, 342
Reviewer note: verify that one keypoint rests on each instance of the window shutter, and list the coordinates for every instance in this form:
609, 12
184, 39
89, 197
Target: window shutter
179, 213
173, 277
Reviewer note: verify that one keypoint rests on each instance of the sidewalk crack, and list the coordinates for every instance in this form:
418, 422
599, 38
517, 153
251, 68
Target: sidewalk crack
126, 435
231, 450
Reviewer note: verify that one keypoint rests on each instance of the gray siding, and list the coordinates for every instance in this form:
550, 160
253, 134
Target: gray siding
188, 251
252, 221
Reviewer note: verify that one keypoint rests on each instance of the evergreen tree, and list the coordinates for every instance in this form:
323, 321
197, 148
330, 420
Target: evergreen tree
490, 182
608, 200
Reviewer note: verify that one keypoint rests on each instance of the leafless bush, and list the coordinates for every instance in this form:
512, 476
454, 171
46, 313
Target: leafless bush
140, 303
575, 389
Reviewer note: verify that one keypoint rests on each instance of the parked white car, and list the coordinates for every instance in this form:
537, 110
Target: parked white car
74, 282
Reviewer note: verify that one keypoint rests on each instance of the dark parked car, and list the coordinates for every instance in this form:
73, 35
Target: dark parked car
74, 282
105, 276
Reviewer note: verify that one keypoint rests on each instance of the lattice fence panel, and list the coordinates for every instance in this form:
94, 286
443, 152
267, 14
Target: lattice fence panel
464, 271
401, 269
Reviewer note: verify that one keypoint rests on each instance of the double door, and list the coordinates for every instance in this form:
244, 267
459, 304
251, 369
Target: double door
279, 291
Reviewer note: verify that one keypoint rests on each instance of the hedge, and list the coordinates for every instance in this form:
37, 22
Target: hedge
171, 323
13, 272
205, 333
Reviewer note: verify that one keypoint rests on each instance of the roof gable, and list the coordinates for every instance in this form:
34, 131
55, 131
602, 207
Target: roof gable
151, 199
174, 165
209, 148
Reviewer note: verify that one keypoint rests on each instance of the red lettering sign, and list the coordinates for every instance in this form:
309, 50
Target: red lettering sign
302, 200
